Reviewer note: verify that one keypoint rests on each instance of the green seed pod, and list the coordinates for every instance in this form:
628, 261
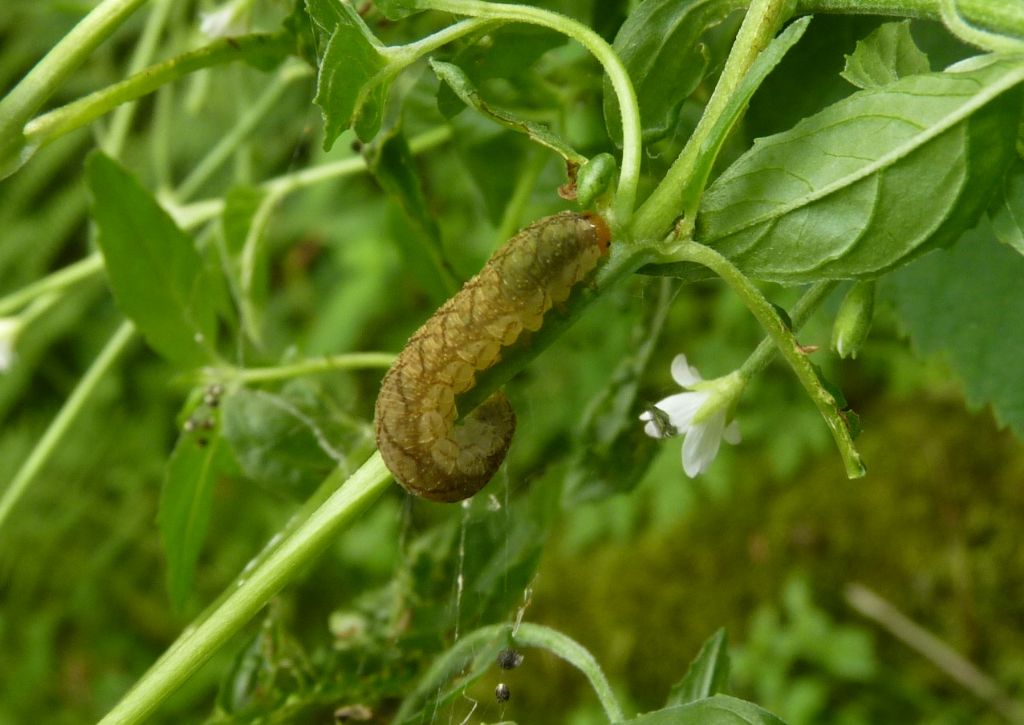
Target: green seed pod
430, 454
853, 322
594, 178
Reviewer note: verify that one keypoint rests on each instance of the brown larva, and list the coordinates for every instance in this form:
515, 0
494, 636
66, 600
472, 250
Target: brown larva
427, 451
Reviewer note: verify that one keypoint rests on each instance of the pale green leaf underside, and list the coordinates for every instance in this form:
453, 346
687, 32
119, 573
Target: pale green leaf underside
717, 710
871, 180
886, 55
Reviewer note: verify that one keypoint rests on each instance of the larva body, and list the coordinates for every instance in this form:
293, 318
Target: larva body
417, 435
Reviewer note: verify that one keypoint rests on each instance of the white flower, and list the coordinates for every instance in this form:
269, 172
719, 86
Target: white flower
698, 414
9, 329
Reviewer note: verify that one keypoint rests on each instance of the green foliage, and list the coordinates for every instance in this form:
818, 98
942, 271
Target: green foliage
341, 215
154, 269
886, 55
965, 304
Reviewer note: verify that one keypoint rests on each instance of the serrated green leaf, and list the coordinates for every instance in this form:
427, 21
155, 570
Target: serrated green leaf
390, 160
200, 458
1007, 210
708, 674
352, 84
463, 88
660, 46
886, 55
155, 272
717, 710
966, 304
872, 180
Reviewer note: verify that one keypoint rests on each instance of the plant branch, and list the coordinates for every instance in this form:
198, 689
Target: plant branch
196, 645
62, 120
328, 363
629, 176
782, 336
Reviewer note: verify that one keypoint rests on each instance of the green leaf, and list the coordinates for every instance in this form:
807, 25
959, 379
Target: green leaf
966, 304
155, 272
708, 674
717, 710
354, 80
392, 164
277, 441
870, 181
201, 457
538, 133
243, 223
494, 158
1007, 210
661, 48
886, 55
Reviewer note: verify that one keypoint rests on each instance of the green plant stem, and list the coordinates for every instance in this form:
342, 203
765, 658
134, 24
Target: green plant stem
143, 54
60, 121
196, 645
766, 350
241, 130
668, 201
999, 16
328, 363
629, 176
55, 282
536, 635
786, 343
39, 84
68, 412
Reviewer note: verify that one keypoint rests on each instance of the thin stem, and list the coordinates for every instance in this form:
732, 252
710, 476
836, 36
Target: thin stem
55, 282
766, 350
786, 343
68, 412
145, 49
629, 177
195, 646
536, 635
238, 133
192, 215
408, 54
60, 121
962, 670
39, 84
328, 363
668, 201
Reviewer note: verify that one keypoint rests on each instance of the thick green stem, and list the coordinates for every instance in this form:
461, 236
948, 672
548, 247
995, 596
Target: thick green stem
252, 593
68, 412
60, 121
629, 177
786, 343
766, 350
32, 91
667, 202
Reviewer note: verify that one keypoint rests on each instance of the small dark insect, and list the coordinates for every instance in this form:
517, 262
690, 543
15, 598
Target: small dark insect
201, 442
502, 693
509, 659
662, 422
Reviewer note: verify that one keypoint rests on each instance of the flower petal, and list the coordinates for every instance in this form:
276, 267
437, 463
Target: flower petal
681, 408
701, 444
731, 434
684, 373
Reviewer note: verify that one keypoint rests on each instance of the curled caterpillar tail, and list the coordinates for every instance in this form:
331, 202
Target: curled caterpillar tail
429, 453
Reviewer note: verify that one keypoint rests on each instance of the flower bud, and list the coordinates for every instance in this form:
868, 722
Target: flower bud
853, 322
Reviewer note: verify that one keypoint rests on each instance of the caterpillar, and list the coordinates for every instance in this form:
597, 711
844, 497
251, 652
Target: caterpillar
429, 453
